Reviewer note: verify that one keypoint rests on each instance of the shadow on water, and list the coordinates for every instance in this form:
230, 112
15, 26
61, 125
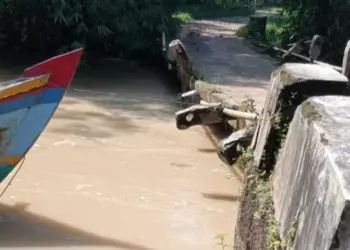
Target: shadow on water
123, 93
20, 228
215, 133
207, 150
222, 197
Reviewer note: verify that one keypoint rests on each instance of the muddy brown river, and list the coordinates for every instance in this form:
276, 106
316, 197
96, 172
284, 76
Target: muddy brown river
111, 171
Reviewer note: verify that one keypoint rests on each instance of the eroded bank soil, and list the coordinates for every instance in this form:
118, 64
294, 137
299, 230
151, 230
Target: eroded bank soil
112, 172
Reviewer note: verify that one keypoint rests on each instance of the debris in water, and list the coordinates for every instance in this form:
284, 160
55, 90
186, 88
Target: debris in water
180, 165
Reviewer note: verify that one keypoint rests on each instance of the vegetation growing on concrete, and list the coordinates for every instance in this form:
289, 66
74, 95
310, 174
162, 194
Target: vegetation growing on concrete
256, 225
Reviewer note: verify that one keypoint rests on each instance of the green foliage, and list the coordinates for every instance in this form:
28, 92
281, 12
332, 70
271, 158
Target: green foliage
328, 18
211, 9
275, 28
242, 31
44, 26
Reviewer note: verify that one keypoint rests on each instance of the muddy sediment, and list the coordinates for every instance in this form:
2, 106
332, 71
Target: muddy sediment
111, 171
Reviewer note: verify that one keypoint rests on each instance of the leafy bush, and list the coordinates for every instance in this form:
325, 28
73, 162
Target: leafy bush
275, 28
329, 18
44, 26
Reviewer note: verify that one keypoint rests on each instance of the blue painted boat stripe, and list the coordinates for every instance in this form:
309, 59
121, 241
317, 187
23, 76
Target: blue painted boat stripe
50, 95
9, 124
30, 128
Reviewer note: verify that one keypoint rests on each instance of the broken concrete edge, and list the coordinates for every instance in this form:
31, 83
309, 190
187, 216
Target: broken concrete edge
291, 84
213, 93
198, 115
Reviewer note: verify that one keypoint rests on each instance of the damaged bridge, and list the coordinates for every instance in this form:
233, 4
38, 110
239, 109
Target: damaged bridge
296, 136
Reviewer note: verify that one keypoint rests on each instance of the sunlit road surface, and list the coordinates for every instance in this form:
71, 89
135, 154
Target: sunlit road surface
111, 171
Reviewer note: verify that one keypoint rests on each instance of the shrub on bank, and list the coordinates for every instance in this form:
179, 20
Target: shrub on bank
305, 18
45, 26
275, 29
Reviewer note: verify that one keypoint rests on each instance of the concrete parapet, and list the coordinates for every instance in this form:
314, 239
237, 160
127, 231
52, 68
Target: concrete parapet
311, 183
290, 85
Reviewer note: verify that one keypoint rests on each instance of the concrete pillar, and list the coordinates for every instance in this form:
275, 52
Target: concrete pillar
311, 183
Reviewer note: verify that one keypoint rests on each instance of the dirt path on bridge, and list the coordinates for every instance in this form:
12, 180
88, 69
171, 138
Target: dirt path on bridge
111, 171
220, 57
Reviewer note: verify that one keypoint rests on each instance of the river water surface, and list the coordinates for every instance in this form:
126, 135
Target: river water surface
111, 171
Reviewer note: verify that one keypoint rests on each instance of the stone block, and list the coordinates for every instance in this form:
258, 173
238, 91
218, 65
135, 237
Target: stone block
290, 85
311, 182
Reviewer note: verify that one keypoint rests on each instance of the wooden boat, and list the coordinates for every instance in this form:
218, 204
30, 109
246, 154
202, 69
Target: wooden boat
27, 105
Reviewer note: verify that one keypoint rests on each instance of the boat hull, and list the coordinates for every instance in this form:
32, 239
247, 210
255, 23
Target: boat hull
26, 109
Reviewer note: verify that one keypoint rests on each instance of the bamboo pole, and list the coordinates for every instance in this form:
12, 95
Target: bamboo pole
189, 93
240, 114
234, 113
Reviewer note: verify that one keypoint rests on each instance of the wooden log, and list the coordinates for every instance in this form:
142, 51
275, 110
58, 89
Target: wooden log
257, 27
197, 115
346, 61
230, 148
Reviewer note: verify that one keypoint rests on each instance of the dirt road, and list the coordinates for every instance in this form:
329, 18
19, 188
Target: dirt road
220, 57
112, 172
